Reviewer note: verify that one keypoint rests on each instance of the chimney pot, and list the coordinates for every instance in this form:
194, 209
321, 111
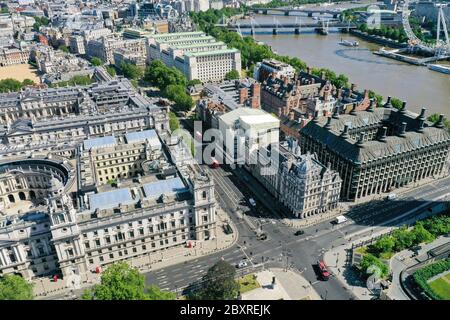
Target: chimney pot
440, 122
422, 113
383, 134
403, 129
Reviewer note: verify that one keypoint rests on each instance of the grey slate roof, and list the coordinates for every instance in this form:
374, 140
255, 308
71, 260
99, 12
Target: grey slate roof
375, 149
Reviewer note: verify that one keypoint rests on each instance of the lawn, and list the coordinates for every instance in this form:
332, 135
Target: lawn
441, 287
248, 283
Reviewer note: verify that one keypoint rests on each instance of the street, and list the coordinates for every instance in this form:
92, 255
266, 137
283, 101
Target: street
282, 248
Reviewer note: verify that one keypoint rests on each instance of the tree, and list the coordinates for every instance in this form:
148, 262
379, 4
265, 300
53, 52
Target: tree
96, 61
384, 245
13, 287
10, 85
111, 71
63, 48
27, 82
403, 239
370, 260
122, 282
174, 123
232, 75
421, 235
177, 93
131, 71
194, 82
155, 293
162, 76
218, 283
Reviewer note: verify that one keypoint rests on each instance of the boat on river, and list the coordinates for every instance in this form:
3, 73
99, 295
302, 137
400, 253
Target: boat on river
439, 68
348, 43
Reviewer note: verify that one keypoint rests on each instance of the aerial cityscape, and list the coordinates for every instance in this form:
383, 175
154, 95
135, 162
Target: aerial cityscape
229, 150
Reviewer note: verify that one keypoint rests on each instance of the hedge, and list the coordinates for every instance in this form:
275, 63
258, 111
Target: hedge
421, 276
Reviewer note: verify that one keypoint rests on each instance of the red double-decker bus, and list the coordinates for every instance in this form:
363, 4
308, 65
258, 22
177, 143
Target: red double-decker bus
215, 163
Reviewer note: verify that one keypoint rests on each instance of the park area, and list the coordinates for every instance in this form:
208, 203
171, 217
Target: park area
19, 72
248, 283
441, 287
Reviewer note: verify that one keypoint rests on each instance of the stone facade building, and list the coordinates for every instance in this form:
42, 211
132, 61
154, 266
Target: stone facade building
300, 182
74, 230
379, 149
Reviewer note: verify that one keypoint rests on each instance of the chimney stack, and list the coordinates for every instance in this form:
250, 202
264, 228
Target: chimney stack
353, 111
371, 105
336, 113
402, 129
345, 132
360, 141
316, 116
323, 75
388, 103
353, 87
421, 125
383, 134
403, 110
328, 124
440, 122
422, 113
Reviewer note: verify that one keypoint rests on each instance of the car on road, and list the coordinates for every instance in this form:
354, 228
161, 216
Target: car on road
252, 202
262, 236
299, 232
323, 271
241, 264
340, 219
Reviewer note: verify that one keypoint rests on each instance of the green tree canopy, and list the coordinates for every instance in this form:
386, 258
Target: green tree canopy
122, 282
10, 85
63, 48
131, 71
218, 284
96, 61
27, 82
177, 93
162, 76
369, 260
13, 287
194, 82
232, 75
111, 70
174, 123
385, 244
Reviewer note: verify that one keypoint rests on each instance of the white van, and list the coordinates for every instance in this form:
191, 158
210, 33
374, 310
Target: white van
391, 196
340, 219
252, 201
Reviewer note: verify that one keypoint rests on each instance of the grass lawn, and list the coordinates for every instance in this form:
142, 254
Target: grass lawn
441, 287
248, 283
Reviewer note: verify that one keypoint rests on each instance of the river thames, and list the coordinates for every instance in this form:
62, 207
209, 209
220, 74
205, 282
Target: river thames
419, 86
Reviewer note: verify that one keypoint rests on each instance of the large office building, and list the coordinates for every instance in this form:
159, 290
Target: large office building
66, 216
195, 54
91, 175
379, 149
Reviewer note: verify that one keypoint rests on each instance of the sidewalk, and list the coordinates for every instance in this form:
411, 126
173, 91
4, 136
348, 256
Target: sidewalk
339, 262
289, 285
46, 287
405, 259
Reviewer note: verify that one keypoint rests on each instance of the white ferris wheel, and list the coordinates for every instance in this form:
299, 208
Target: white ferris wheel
442, 45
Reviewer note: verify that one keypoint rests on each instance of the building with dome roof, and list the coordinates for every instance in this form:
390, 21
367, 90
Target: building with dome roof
379, 149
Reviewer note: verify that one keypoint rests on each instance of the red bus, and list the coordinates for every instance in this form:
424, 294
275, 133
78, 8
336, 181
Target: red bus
324, 274
215, 163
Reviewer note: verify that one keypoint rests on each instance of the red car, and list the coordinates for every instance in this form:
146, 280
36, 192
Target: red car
324, 274
215, 164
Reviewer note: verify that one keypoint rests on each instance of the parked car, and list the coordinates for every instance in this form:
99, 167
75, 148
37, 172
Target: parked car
299, 232
252, 202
